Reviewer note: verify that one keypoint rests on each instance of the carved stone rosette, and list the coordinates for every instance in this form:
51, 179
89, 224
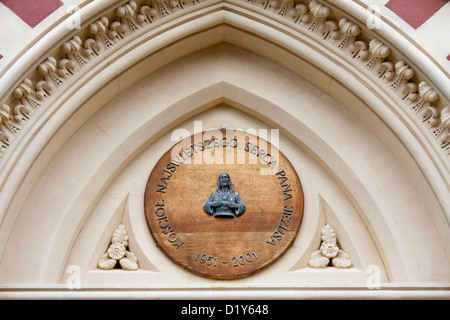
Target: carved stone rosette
117, 251
329, 250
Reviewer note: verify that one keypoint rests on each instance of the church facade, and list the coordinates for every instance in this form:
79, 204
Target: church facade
352, 98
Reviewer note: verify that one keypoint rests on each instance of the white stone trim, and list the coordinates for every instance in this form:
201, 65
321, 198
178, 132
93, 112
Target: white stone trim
242, 24
387, 292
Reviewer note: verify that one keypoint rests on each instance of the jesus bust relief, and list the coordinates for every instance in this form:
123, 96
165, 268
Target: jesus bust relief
224, 202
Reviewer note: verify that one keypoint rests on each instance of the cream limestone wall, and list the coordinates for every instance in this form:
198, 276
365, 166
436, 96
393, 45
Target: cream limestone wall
19, 38
80, 168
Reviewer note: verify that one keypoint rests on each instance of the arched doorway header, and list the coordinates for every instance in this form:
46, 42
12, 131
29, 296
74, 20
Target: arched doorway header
116, 41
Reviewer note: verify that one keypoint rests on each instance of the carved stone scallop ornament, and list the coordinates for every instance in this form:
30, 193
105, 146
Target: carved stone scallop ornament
224, 205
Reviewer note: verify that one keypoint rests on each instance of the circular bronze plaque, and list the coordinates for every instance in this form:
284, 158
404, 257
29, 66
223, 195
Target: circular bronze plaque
224, 204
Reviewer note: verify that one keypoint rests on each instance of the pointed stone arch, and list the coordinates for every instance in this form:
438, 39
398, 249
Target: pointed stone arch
161, 60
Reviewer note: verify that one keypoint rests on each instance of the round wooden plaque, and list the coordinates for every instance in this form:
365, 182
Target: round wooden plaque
214, 229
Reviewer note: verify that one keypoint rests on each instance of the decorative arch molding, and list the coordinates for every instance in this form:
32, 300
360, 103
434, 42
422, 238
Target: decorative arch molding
329, 37
281, 36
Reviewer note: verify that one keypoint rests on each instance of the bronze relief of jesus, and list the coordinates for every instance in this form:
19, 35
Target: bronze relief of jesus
224, 202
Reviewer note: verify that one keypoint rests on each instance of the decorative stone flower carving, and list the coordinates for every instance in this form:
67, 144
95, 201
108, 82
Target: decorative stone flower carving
117, 251
318, 261
106, 263
120, 236
130, 262
342, 260
328, 234
329, 250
